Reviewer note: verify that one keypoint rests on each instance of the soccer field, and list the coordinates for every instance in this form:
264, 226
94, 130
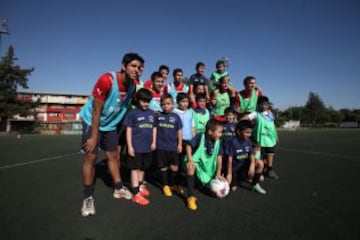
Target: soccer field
315, 197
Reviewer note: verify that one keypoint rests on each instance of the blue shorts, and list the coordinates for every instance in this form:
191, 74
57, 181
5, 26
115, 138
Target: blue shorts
108, 141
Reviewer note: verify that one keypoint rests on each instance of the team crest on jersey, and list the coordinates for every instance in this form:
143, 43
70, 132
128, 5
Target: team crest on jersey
141, 119
172, 119
239, 151
161, 118
247, 149
151, 118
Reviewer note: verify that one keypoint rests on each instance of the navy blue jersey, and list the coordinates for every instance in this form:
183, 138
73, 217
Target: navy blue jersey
198, 79
228, 135
240, 150
168, 125
142, 124
209, 145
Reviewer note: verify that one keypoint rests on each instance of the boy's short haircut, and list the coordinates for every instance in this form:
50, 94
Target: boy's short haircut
200, 96
129, 57
229, 110
262, 99
243, 124
198, 65
176, 70
248, 79
144, 95
220, 62
180, 96
221, 79
164, 67
165, 96
156, 75
212, 125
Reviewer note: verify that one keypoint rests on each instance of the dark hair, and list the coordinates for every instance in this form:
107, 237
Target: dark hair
198, 65
212, 125
176, 70
164, 67
248, 79
262, 99
155, 75
243, 124
220, 62
165, 96
181, 96
229, 110
144, 95
129, 57
200, 96
221, 79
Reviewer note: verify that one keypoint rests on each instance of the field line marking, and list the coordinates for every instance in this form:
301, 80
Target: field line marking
20, 164
318, 153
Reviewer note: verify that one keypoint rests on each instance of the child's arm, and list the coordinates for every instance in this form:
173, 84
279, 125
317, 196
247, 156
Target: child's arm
250, 116
229, 170
245, 117
191, 92
207, 93
131, 150
153, 144
193, 130
179, 137
219, 166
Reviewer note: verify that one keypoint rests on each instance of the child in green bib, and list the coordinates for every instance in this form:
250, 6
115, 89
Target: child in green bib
224, 98
249, 95
265, 133
203, 159
201, 114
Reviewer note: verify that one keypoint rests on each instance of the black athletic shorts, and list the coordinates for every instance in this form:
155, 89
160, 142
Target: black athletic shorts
141, 161
108, 141
167, 158
267, 150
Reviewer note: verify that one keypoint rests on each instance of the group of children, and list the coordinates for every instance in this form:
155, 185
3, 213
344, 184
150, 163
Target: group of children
204, 131
191, 132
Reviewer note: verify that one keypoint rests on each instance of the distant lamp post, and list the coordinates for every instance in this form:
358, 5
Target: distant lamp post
3, 27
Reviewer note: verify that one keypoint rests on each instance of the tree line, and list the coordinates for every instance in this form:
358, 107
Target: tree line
314, 113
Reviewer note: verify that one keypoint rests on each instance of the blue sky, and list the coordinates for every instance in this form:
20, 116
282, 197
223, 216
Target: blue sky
292, 47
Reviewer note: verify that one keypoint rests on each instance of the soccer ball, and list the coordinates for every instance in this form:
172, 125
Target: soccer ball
219, 188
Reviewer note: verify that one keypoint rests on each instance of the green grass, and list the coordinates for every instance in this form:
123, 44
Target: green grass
315, 198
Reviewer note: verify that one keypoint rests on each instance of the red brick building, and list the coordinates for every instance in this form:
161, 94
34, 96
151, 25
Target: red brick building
57, 113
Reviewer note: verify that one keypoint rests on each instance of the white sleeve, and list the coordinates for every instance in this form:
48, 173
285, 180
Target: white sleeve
252, 116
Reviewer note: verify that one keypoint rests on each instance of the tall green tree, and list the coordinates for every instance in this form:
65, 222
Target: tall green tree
11, 77
315, 108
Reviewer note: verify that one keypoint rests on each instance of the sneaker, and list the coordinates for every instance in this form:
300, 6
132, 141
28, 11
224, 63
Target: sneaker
272, 174
122, 193
191, 203
88, 207
140, 199
178, 190
144, 191
257, 188
167, 191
